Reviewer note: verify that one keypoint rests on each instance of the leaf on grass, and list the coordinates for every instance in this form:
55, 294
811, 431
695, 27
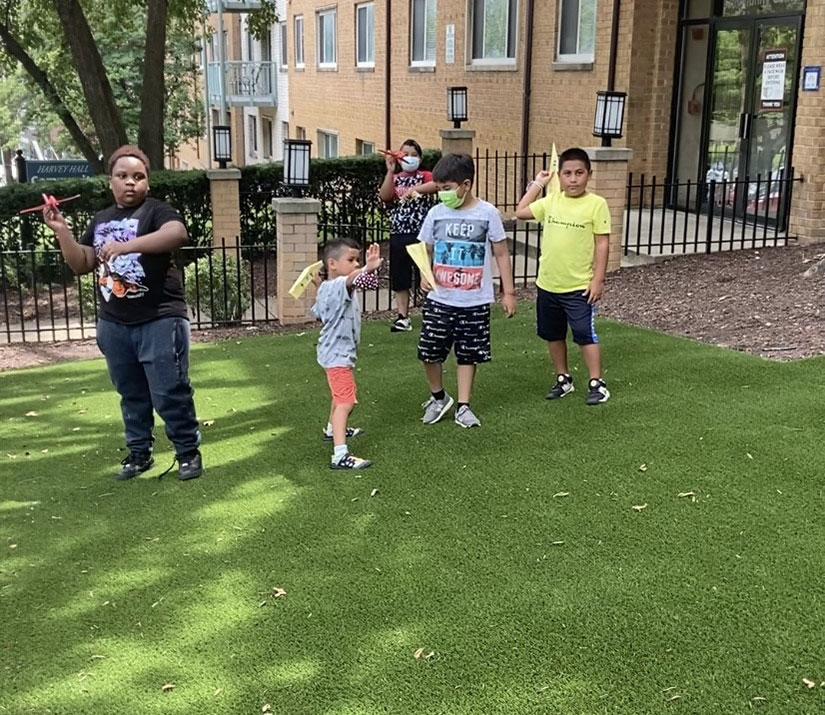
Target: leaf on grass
168, 687
639, 507
97, 657
561, 494
373, 492
261, 604
417, 655
667, 690
44, 451
542, 688
748, 455
759, 699
674, 697
642, 467
558, 543
810, 684
267, 708
682, 495
11, 456
218, 692
32, 413
278, 592
75, 429
208, 423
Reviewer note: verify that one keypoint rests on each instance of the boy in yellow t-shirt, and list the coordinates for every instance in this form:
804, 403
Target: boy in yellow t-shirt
572, 267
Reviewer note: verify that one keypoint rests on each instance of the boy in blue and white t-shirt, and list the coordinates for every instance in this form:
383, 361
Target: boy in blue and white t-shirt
463, 234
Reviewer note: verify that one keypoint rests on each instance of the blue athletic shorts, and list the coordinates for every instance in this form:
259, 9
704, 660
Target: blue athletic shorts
555, 311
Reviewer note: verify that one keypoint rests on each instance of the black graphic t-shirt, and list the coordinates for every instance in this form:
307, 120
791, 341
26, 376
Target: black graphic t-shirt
135, 287
407, 215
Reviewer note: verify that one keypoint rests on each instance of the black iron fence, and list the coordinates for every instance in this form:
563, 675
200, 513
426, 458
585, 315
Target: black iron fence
501, 177
675, 217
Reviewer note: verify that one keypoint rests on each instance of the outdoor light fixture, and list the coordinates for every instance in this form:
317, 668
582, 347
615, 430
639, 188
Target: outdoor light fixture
222, 144
609, 116
457, 105
296, 164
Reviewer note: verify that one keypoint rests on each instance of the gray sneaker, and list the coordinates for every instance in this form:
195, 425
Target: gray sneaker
464, 417
434, 409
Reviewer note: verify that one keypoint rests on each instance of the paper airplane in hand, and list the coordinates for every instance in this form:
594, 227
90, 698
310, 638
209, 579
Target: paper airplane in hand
421, 256
49, 202
303, 280
554, 185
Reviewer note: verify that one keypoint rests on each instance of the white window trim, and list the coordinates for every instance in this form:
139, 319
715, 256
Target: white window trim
283, 45
422, 63
318, 14
492, 61
331, 132
577, 58
298, 65
357, 8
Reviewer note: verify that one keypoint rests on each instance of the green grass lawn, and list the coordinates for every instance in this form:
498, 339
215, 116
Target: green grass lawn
512, 553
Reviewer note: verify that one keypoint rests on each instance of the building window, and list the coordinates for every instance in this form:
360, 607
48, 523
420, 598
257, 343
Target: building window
252, 138
327, 144
300, 133
362, 147
494, 31
266, 46
365, 35
250, 47
299, 42
266, 130
327, 52
285, 129
284, 54
577, 30
423, 33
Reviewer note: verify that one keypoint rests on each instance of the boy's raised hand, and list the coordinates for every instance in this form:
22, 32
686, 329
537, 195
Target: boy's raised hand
543, 177
374, 260
54, 219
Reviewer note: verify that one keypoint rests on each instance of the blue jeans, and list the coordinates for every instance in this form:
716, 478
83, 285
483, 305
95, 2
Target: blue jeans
149, 367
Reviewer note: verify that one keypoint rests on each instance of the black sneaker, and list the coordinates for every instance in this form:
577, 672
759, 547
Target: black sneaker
350, 461
190, 466
136, 463
563, 386
598, 392
401, 325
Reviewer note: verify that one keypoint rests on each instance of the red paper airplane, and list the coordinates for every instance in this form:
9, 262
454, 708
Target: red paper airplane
397, 155
49, 202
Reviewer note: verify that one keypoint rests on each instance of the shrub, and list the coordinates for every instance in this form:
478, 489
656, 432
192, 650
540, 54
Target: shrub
220, 290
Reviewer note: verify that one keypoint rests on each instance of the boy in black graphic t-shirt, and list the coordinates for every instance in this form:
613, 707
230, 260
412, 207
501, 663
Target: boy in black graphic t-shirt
143, 329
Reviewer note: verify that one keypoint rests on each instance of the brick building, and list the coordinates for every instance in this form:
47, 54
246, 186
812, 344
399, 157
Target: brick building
724, 88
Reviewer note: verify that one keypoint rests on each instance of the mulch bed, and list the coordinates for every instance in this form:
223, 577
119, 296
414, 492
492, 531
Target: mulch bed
755, 301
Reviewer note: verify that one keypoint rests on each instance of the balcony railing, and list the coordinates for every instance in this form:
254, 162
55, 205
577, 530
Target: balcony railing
245, 83
235, 5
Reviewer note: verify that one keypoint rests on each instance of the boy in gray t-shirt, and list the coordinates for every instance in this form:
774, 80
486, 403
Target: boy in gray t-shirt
341, 331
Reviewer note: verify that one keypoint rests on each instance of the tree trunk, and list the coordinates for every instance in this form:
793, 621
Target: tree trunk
152, 93
103, 111
16, 50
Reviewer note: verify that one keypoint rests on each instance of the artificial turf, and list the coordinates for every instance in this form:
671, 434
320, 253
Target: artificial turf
662, 552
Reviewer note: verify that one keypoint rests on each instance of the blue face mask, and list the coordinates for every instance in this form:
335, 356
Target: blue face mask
410, 163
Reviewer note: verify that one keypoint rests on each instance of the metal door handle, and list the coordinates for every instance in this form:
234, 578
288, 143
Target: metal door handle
745, 125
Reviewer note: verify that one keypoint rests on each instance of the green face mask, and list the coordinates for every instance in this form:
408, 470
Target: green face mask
451, 199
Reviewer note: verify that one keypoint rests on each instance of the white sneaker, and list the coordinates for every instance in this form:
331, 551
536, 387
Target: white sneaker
350, 461
401, 325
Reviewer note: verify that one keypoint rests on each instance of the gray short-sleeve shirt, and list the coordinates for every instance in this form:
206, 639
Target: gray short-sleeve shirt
341, 318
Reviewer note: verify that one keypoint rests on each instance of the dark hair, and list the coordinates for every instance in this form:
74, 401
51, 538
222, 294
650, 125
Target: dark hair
334, 249
456, 168
414, 144
575, 154
128, 150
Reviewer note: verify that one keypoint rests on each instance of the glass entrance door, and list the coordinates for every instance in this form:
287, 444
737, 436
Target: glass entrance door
753, 79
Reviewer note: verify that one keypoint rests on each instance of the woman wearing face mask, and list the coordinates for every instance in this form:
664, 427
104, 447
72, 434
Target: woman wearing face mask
405, 189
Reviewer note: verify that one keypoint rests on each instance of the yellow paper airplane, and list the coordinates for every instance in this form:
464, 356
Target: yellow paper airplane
554, 185
421, 256
303, 280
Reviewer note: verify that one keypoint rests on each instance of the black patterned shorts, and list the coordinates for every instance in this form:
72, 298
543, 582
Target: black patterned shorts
444, 326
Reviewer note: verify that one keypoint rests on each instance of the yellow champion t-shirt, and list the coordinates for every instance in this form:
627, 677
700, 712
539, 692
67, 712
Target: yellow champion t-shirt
567, 243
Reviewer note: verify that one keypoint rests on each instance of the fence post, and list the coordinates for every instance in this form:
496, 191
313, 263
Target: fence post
610, 165
296, 228
711, 214
457, 141
224, 190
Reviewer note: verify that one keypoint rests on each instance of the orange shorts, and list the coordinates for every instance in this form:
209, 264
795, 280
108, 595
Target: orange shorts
342, 385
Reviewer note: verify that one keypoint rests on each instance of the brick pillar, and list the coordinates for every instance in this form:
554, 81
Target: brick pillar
296, 223
610, 165
226, 205
808, 206
457, 141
